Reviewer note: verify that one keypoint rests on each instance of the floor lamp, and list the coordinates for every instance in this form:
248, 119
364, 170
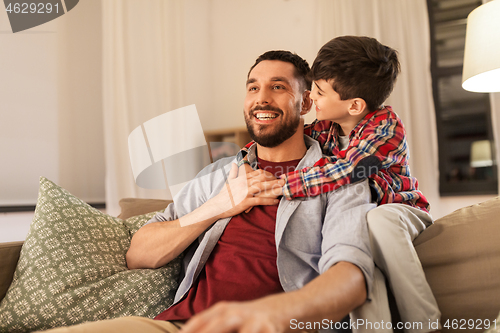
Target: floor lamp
481, 71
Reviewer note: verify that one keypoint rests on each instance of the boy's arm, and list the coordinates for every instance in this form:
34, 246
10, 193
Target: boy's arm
381, 145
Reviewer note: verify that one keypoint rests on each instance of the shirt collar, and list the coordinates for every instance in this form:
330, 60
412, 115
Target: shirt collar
312, 155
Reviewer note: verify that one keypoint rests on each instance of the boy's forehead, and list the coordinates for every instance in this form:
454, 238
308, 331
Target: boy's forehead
323, 85
273, 70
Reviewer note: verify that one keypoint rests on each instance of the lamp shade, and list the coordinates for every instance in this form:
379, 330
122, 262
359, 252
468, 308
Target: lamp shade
481, 72
480, 154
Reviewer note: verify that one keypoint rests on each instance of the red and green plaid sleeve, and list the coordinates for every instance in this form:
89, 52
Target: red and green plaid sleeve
377, 150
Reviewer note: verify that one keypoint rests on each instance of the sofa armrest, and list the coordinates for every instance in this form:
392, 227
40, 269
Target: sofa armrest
9, 256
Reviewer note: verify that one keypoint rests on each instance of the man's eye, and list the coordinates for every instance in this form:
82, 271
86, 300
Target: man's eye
278, 87
252, 88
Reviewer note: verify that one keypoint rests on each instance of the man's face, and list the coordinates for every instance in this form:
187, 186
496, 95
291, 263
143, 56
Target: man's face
273, 103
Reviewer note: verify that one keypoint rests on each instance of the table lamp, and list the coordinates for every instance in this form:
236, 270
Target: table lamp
481, 71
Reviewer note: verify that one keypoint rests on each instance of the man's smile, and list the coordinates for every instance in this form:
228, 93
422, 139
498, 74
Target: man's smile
265, 117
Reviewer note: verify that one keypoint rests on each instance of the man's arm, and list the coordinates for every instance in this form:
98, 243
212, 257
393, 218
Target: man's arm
156, 244
331, 296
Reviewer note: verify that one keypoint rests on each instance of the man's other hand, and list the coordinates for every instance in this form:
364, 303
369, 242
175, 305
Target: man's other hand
230, 317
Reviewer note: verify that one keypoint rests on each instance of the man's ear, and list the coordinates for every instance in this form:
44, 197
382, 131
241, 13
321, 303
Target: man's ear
357, 107
306, 103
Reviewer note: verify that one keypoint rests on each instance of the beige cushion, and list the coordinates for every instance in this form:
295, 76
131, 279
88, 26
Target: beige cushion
133, 206
460, 255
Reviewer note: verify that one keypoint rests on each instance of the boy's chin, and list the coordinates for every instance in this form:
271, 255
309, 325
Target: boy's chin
319, 116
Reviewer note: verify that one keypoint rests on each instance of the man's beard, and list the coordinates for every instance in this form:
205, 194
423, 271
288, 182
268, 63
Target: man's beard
281, 133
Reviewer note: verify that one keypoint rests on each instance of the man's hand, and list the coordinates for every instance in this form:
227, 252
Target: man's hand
230, 317
273, 192
244, 190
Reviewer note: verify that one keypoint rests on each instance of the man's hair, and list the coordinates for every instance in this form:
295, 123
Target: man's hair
360, 67
302, 69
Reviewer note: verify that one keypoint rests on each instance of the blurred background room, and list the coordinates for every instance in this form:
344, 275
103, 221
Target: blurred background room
73, 89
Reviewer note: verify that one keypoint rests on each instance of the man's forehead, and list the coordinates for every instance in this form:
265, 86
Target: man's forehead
274, 70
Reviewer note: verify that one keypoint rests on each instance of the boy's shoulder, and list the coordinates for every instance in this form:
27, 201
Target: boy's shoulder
382, 117
384, 113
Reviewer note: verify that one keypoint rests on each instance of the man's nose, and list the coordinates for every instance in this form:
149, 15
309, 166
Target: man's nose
263, 97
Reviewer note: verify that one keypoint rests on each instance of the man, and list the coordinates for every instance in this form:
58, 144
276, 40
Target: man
236, 268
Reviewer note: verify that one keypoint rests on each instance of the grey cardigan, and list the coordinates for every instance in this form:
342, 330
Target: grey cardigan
312, 233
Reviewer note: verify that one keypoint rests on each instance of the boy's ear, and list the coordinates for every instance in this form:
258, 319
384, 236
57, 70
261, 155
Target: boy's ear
357, 107
306, 103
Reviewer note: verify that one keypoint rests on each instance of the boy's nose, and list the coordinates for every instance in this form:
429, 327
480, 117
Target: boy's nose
312, 95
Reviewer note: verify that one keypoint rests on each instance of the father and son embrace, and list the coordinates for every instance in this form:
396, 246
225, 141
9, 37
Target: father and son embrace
302, 227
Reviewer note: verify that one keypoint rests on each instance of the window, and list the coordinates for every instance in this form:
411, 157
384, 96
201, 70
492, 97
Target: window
465, 138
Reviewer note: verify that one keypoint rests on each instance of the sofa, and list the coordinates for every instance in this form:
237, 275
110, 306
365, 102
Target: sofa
460, 255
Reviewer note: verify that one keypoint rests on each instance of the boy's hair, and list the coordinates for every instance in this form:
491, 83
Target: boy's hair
360, 67
302, 69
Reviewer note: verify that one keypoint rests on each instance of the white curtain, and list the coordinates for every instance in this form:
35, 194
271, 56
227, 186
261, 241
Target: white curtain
404, 26
143, 77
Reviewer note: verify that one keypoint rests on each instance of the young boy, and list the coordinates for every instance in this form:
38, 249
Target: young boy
352, 77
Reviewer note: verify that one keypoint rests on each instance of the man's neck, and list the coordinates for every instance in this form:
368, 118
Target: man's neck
292, 149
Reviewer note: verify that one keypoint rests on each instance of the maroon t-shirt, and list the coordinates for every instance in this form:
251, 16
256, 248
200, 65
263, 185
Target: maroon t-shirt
242, 265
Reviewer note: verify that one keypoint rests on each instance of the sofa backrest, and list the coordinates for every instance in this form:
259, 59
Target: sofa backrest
9, 255
460, 255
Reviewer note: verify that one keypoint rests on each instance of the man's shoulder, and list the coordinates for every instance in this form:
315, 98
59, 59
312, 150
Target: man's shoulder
216, 170
313, 153
208, 180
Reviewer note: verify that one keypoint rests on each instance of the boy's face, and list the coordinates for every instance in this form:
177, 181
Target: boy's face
328, 104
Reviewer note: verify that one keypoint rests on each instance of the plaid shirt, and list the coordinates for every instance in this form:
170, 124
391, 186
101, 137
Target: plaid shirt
377, 150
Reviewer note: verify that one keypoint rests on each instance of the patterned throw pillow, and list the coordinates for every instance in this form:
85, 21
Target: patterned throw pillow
72, 269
